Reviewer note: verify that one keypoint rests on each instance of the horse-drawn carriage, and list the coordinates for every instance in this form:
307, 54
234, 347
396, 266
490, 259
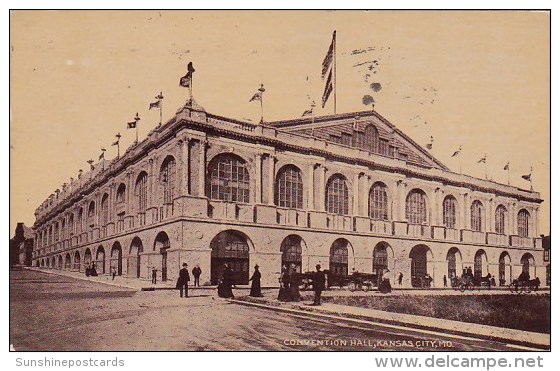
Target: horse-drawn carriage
355, 281
524, 286
470, 283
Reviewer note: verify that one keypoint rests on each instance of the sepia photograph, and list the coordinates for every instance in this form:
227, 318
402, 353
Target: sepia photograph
274, 180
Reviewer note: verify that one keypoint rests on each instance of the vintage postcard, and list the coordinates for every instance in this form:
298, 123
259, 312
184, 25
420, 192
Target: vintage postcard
280, 180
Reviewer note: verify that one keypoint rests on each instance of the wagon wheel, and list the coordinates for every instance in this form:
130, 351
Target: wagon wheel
352, 286
366, 287
462, 287
527, 288
470, 286
512, 288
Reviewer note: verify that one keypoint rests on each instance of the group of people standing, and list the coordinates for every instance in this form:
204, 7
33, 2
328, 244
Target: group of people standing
184, 279
91, 269
290, 280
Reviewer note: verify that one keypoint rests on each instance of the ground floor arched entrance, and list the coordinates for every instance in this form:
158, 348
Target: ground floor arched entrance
419, 275
77, 261
116, 259
136, 248
67, 262
504, 269
454, 260
231, 248
100, 260
528, 265
162, 244
480, 265
291, 249
338, 257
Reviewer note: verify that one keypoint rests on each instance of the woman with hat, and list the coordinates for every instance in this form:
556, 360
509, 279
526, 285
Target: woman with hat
256, 283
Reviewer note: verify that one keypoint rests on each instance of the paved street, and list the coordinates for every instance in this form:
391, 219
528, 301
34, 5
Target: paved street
56, 313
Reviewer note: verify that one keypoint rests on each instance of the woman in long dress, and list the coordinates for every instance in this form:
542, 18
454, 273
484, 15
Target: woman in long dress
256, 283
295, 281
385, 285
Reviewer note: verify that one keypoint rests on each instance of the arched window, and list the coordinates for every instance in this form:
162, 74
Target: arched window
289, 188
63, 229
91, 212
104, 209
378, 202
337, 195
371, 139
80, 219
167, 179
476, 216
523, 223
120, 193
229, 179
56, 230
141, 191
500, 219
71, 225
416, 207
449, 211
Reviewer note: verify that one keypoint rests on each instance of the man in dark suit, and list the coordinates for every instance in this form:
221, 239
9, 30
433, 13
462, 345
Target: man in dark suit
318, 284
196, 274
183, 281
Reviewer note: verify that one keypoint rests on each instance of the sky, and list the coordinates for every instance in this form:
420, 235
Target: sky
480, 80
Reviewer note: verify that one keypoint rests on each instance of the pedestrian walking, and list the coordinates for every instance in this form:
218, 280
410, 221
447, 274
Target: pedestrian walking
284, 292
400, 278
113, 273
154, 275
318, 284
225, 287
444, 280
93, 270
88, 270
295, 281
183, 281
385, 285
256, 283
196, 272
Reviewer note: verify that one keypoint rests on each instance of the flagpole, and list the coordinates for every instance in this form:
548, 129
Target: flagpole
531, 178
136, 119
334, 69
261, 89
485, 167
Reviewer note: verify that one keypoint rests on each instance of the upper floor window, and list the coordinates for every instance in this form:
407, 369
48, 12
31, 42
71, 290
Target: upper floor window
416, 212
500, 219
229, 179
56, 232
141, 191
121, 193
91, 212
476, 216
378, 202
80, 219
523, 223
104, 209
71, 224
167, 179
546, 256
450, 212
371, 138
337, 195
289, 189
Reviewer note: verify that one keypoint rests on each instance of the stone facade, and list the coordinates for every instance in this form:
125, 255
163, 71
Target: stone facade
205, 189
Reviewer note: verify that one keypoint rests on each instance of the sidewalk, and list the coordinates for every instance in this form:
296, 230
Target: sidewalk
373, 316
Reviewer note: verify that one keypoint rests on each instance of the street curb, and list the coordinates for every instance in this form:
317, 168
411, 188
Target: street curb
82, 278
318, 312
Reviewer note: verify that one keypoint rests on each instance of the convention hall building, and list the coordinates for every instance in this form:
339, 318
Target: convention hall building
348, 191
